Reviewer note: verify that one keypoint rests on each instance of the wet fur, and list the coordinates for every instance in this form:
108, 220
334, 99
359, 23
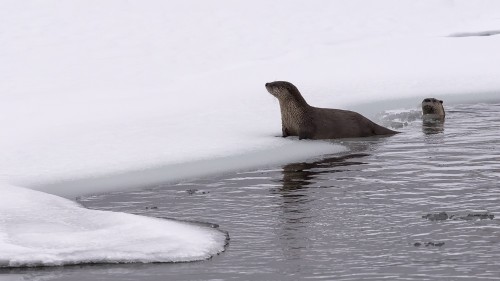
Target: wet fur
433, 106
307, 122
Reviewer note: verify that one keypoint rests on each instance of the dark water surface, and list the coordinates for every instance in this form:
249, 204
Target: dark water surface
422, 205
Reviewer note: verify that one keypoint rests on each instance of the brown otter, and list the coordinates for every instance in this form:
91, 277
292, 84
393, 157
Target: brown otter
300, 119
433, 107
432, 116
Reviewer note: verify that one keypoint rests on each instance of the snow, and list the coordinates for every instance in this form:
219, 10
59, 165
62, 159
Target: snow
98, 89
106, 95
42, 229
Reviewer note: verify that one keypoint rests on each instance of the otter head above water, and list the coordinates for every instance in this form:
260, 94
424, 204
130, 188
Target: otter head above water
433, 106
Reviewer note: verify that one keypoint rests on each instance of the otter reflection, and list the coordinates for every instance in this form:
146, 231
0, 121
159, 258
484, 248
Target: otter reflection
299, 202
301, 175
432, 126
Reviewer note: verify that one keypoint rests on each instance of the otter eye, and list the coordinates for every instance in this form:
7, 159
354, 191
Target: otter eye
427, 100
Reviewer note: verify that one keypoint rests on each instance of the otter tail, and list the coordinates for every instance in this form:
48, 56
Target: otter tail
379, 130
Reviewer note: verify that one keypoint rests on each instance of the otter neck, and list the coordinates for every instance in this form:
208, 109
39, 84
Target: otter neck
293, 112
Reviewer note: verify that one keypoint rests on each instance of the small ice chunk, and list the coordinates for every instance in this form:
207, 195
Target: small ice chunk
40, 229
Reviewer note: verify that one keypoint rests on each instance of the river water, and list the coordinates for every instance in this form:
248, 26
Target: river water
421, 205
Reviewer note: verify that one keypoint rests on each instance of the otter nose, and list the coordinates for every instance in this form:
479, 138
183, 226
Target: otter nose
427, 100
267, 84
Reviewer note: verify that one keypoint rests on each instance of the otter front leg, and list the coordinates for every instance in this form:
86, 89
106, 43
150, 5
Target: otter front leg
284, 131
306, 133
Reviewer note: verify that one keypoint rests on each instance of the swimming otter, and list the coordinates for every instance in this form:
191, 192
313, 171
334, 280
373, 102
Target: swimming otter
300, 119
432, 116
434, 107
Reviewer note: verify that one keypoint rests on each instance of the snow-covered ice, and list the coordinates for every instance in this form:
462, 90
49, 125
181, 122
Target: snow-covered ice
103, 95
95, 89
43, 229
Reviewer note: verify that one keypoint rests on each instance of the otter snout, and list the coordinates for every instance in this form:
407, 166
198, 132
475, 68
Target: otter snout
270, 88
427, 109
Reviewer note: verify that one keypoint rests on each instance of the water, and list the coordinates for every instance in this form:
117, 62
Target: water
422, 205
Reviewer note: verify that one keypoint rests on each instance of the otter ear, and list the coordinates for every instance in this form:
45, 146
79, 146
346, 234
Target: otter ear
440, 101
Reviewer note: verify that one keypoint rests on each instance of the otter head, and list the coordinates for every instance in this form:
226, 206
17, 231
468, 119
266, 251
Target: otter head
432, 106
285, 91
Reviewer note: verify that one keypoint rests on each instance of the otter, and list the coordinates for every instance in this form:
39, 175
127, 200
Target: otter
432, 116
432, 107
300, 119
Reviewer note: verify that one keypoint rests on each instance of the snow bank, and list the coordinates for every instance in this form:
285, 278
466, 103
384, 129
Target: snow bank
98, 89
283, 152
41, 229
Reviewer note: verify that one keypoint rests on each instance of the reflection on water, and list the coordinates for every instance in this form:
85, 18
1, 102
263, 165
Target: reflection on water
300, 175
296, 207
433, 125
421, 205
